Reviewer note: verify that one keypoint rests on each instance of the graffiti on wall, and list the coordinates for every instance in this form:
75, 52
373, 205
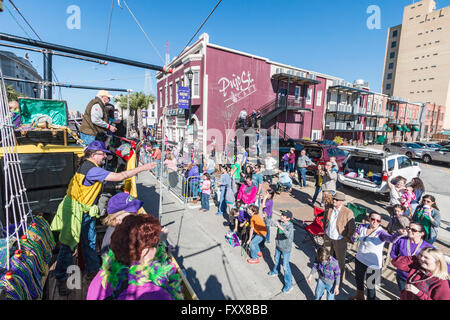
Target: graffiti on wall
236, 88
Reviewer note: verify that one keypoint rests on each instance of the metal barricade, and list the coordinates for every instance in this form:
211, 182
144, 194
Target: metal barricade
191, 188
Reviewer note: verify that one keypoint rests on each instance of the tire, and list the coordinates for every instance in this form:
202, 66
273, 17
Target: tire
387, 150
427, 159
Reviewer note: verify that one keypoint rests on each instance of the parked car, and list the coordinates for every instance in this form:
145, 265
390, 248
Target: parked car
429, 145
365, 169
411, 150
317, 152
439, 155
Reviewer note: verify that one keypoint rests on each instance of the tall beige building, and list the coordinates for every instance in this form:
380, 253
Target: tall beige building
417, 62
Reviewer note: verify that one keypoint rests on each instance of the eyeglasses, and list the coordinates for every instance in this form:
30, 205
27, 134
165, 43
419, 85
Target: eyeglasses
413, 230
377, 220
100, 154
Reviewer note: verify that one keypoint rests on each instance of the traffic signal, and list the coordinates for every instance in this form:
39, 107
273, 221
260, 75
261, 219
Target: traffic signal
1, 5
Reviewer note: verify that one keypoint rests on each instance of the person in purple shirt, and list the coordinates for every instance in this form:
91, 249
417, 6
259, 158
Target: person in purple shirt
411, 245
292, 162
15, 113
267, 206
137, 266
193, 178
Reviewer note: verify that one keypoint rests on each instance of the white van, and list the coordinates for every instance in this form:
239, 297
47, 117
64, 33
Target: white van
364, 169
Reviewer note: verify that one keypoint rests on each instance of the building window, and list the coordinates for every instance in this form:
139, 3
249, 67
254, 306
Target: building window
297, 93
394, 33
170, 95
177, 83
388, 86
392, 56
391, 66
389, 76
196, 83
309, 96
166, 100
160, 97
153, 114
394, 44
319, 98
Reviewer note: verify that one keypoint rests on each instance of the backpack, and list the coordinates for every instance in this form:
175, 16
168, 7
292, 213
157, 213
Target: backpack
232, 239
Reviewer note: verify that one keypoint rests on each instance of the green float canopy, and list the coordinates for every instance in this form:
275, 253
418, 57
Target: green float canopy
406, 129
414, 128
387, 128
31, 109
399, 128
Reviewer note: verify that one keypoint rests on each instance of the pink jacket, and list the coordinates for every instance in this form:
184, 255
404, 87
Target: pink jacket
247, 198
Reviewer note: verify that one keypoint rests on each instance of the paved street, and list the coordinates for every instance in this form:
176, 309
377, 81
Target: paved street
217, 271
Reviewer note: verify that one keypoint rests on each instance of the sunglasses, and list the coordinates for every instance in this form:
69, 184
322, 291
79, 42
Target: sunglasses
377, 220
413, 230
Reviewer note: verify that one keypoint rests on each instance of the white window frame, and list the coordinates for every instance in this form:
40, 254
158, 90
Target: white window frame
177, 83
319, 98
309, 96
196, 84
160, 97
166, 97
297, 93
170, 93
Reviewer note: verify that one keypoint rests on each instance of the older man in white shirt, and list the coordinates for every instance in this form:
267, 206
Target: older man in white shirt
339, 226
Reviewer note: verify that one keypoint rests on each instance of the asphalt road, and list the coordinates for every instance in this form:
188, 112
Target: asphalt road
436, 177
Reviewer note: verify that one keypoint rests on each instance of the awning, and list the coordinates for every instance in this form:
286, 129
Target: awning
405, 128
414, 128
398, 127
387, 128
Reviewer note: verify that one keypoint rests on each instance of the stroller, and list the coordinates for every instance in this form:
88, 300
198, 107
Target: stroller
315, 230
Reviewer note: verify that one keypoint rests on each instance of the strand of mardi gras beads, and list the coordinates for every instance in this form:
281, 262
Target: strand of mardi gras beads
30, 245
44, 247
20, 267
14, 287
44, 228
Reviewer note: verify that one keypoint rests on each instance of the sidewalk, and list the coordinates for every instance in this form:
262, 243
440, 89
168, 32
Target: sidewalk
218, 271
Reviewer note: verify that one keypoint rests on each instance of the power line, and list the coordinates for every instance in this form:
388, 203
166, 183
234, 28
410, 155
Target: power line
53, 72
109, 27
201, 25
145, 34
17, 9
20, 26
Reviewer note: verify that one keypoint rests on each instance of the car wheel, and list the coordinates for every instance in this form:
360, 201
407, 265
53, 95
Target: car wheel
409, 155
387, 150
426, 159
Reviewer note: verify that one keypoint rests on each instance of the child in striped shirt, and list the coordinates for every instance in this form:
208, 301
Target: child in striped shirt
329, 274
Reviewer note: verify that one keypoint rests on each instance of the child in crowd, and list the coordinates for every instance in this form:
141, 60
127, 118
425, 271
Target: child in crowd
206, 191
400, 219
284, 239
396, 190
406, 198
319, 179
329, 274
335, 166
286, 162
239, 216
258, 231
267, 206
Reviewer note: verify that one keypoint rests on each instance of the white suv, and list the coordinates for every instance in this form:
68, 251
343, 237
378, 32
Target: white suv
364, 169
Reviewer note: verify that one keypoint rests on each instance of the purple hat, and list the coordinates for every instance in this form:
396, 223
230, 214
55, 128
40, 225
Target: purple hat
97, 145
123, 202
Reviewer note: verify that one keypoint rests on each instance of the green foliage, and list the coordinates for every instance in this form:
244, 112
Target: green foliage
338, 140
12, 94
138, 100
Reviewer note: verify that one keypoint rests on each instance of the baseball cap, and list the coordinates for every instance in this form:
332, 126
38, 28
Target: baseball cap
123, 202
339, 196
286, 213
97, 145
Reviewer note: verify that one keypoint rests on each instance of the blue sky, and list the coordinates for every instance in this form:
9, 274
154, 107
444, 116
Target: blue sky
324, 36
